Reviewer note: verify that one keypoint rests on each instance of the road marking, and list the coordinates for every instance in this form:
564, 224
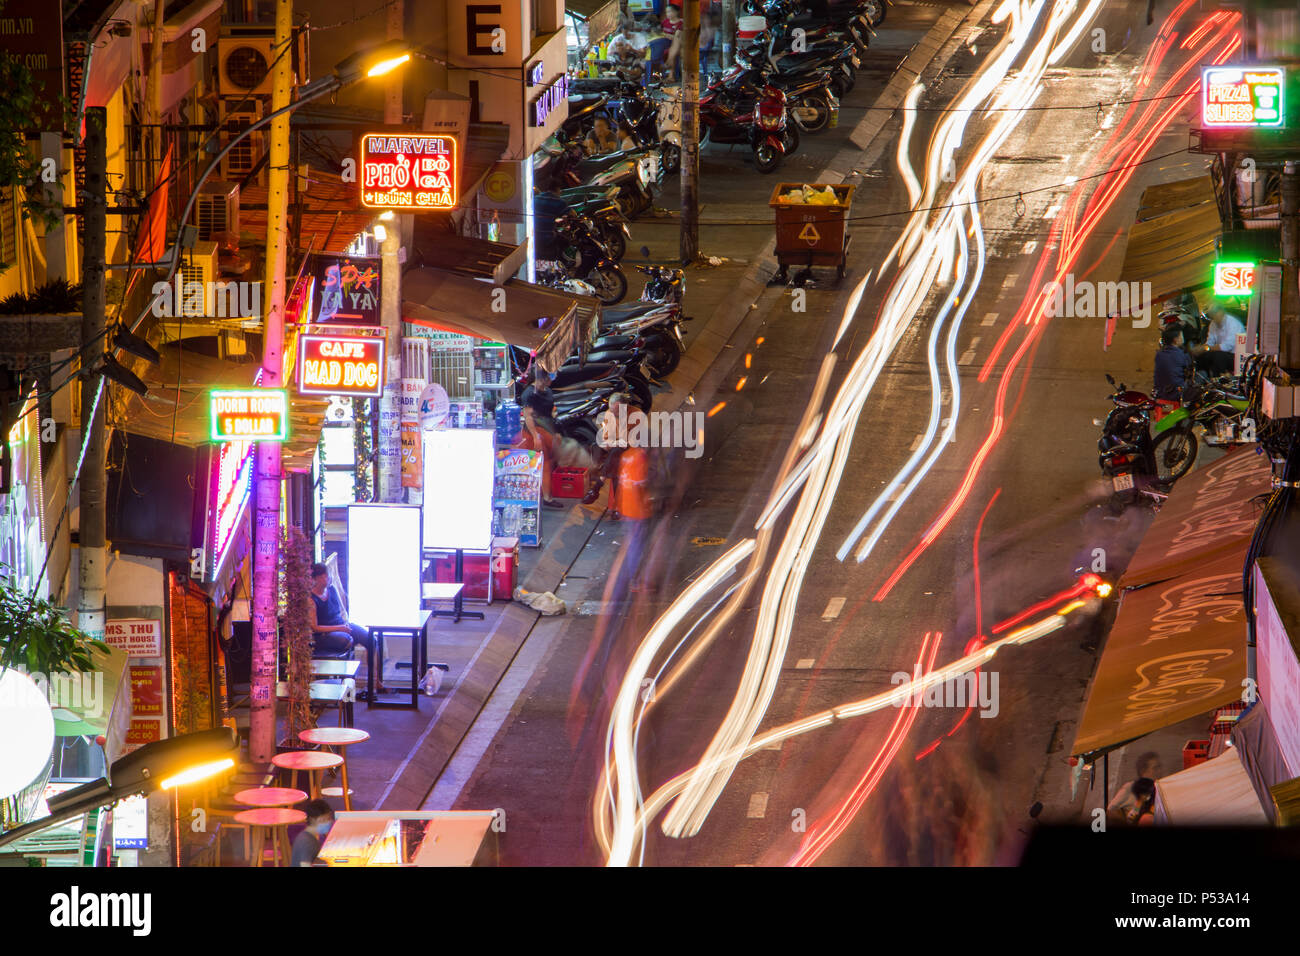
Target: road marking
774, 745
757, 806
916, 443
833, 608
1010, 280
804, 663
1030, 246
989, 318
966, 357
1051, 213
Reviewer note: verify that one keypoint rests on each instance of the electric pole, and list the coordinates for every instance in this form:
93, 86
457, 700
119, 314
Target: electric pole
389, 483
1289, 347
261, 741
690, 54
728, 32
92, 568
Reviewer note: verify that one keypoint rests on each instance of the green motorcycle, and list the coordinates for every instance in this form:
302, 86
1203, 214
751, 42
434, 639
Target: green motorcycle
1212, 413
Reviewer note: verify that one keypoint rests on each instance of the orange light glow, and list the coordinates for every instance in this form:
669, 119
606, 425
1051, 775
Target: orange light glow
716, 408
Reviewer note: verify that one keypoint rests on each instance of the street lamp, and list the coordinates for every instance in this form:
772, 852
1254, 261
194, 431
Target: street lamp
364, 64
161, 765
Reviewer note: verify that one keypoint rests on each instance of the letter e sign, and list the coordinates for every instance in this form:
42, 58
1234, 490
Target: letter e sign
481, 20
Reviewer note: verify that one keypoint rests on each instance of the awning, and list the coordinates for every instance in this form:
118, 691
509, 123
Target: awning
331, 217
1175, 249
1215, 793
181, 414
1209, 512
106, 710
600, 16
1177, 649
535, 318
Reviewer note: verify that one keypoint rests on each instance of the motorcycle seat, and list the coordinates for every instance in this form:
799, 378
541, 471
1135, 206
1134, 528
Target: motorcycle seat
612, 355
620, 313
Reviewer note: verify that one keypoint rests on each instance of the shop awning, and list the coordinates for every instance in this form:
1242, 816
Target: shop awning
98, 705
534, 317
600, 16
1174, 249
1177, 649
1211, 511
331, 215
180, 414
1215, 793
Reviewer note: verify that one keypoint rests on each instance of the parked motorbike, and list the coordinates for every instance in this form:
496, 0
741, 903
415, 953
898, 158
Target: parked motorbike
559, 165
1213, 412
727, 118
810, 98
583, 253
1126, 452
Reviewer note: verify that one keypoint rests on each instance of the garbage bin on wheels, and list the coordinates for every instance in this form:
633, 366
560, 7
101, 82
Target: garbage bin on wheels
811, 233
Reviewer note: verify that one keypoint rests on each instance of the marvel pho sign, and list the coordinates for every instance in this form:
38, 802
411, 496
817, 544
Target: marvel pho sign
1242, 96
256, 414
415, 173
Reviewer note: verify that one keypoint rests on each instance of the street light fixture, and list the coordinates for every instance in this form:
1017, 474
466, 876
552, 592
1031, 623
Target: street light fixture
364, 64
161, 765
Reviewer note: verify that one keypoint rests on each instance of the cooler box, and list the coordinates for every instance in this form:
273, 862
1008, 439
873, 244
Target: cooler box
505, 559
749, 27
568, 482
478, 585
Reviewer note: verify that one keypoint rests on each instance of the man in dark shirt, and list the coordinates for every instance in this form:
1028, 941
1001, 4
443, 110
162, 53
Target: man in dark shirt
1171, 366
307, 844
538, 413
332, 632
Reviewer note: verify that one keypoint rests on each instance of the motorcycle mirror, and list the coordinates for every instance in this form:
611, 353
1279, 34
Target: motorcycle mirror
645, 251
1110, 378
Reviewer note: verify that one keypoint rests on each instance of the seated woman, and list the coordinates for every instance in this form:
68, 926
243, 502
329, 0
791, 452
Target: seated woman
602, 138
538, 434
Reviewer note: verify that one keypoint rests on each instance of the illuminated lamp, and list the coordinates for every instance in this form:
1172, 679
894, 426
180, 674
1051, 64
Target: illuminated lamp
26, 731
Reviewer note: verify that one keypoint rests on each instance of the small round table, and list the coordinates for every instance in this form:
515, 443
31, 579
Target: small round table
275, 821
336, 737
270, 797
312, 761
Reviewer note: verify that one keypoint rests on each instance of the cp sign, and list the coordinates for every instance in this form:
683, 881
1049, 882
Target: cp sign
1234, 278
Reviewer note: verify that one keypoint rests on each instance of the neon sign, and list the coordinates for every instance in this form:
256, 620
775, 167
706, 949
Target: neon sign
1242, 96
232, 480
257, 414
549, 100
1234, 278
341, 365
416, 172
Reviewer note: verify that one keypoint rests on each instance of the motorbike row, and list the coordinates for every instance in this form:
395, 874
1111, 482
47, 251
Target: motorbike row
636, 346
787, 80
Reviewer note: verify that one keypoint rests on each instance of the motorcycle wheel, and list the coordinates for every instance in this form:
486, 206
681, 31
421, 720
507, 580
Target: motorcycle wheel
811, 114
791, 138
840, 85
671, 157
1175, 453
609, 282
614, 238
663, 354
875, 11
766, 158
639, 390
581, 430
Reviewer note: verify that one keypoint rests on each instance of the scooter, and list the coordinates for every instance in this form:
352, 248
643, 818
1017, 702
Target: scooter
1126, 453
813, 104
762, 125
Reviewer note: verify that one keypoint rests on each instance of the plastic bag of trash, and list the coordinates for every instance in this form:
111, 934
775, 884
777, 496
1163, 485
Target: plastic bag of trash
542, 601
820, 197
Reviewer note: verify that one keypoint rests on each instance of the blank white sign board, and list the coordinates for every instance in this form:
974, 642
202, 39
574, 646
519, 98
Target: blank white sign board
459, 469
383, 563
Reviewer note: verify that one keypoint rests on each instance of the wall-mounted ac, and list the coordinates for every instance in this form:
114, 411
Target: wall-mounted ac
241, 160
217, 209
245, 54
198, 265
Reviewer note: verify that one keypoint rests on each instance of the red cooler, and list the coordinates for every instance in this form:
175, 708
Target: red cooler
505, 558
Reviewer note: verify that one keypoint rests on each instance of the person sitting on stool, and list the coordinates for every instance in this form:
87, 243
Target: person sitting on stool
1217, 356
332, 632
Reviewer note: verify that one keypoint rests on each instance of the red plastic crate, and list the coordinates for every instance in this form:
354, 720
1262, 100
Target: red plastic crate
477, 574
568, 482
1194, 752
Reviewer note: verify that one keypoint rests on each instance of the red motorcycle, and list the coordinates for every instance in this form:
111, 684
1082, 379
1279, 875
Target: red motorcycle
726, 117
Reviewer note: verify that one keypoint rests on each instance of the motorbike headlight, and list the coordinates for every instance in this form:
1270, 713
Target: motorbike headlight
853, 58
769, 122
642, 173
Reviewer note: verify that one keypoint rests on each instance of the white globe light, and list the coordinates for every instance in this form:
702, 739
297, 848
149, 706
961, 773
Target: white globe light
26, 732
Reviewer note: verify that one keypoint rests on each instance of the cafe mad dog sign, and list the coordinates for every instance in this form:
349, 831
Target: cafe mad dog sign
334, 364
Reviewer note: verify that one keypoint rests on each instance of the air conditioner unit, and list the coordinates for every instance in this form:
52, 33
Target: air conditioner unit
217, 209
199, 265
245, 54
243, 159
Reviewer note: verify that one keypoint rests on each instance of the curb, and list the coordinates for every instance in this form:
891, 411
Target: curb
704, 351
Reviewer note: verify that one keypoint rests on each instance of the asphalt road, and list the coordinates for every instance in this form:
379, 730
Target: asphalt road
955, 789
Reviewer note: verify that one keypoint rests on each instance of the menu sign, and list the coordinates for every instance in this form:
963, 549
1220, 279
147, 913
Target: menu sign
1242, 96
413, 172
258, 414
341, 365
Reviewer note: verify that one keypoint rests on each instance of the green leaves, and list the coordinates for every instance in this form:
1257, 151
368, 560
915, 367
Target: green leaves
36, 635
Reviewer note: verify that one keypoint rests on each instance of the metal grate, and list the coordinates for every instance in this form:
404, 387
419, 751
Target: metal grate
451, 365
8, 228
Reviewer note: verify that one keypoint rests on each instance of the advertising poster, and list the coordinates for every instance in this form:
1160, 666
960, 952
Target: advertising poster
137, 636
143, 731
412, 454
147, 690
517, 496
